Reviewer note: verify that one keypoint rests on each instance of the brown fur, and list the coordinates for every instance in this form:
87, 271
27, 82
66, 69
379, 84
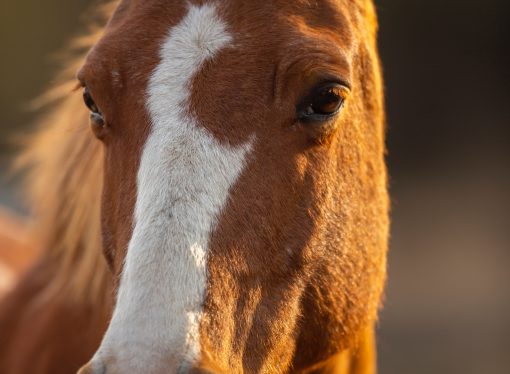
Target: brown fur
267, 310
333, 218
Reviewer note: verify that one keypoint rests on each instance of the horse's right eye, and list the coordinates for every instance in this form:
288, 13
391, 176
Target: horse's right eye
323, 103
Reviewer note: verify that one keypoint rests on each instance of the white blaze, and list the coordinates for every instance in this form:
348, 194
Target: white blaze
183, 183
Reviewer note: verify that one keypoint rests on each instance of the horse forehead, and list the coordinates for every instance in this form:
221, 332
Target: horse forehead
130, 49
144, 25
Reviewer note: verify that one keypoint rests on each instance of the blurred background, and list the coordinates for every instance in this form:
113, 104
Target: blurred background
447, 71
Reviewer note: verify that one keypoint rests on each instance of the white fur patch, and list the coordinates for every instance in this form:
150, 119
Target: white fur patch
183, 183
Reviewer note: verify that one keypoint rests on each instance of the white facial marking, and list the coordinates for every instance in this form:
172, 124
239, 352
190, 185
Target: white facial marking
183, 183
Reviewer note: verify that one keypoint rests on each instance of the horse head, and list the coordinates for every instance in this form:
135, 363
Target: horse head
244, 207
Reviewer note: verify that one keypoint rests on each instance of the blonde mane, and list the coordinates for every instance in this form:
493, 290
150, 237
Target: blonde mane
63, 166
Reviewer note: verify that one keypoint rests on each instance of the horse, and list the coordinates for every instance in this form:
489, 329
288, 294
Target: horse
210, 193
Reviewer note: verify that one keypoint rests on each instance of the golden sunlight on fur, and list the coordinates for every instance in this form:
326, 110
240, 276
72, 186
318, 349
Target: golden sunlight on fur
64, 301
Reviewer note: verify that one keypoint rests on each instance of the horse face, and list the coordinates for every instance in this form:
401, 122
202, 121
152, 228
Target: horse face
244, 205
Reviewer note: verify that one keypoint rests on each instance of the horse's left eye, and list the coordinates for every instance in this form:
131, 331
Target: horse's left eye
95, 114
89, 102
322, 103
